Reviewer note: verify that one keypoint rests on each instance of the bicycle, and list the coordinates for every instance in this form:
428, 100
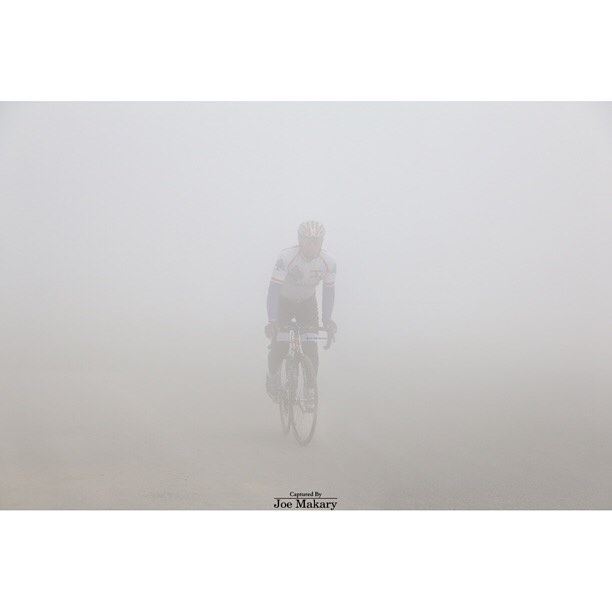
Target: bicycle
298, 397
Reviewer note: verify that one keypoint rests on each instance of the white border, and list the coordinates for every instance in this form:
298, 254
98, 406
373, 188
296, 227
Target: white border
319, 50
501, 561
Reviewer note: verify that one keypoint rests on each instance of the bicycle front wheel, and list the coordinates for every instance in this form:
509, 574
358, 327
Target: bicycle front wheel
305, 404
284, 397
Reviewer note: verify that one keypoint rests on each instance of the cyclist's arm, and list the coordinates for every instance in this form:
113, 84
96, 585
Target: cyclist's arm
276, 282
273, 295
327, 302
329, 292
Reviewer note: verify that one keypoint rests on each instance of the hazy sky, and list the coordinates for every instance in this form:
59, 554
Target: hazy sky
448, 221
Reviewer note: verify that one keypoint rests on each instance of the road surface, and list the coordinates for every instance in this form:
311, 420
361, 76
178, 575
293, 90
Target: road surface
400, 434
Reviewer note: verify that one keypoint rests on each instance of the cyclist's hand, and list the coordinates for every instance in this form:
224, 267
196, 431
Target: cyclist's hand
270, 330
331, 327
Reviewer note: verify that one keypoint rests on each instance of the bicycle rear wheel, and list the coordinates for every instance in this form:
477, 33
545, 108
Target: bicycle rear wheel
304, 407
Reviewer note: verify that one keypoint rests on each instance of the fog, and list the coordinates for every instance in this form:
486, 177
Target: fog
473, 298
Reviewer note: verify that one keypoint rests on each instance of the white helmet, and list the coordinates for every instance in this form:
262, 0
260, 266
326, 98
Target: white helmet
311, 229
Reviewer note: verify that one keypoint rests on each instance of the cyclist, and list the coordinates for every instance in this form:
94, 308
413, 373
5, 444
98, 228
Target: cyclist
292, 293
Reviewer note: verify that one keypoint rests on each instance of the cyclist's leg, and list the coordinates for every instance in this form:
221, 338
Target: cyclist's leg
311, 350
278, 350
308, 316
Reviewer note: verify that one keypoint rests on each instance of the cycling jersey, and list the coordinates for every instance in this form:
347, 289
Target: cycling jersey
292, 293
299, 277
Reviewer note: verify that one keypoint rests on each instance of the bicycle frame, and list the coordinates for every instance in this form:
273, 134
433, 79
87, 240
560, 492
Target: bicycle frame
298, 411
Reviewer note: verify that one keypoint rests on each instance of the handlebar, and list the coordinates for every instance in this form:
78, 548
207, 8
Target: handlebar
331, 337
